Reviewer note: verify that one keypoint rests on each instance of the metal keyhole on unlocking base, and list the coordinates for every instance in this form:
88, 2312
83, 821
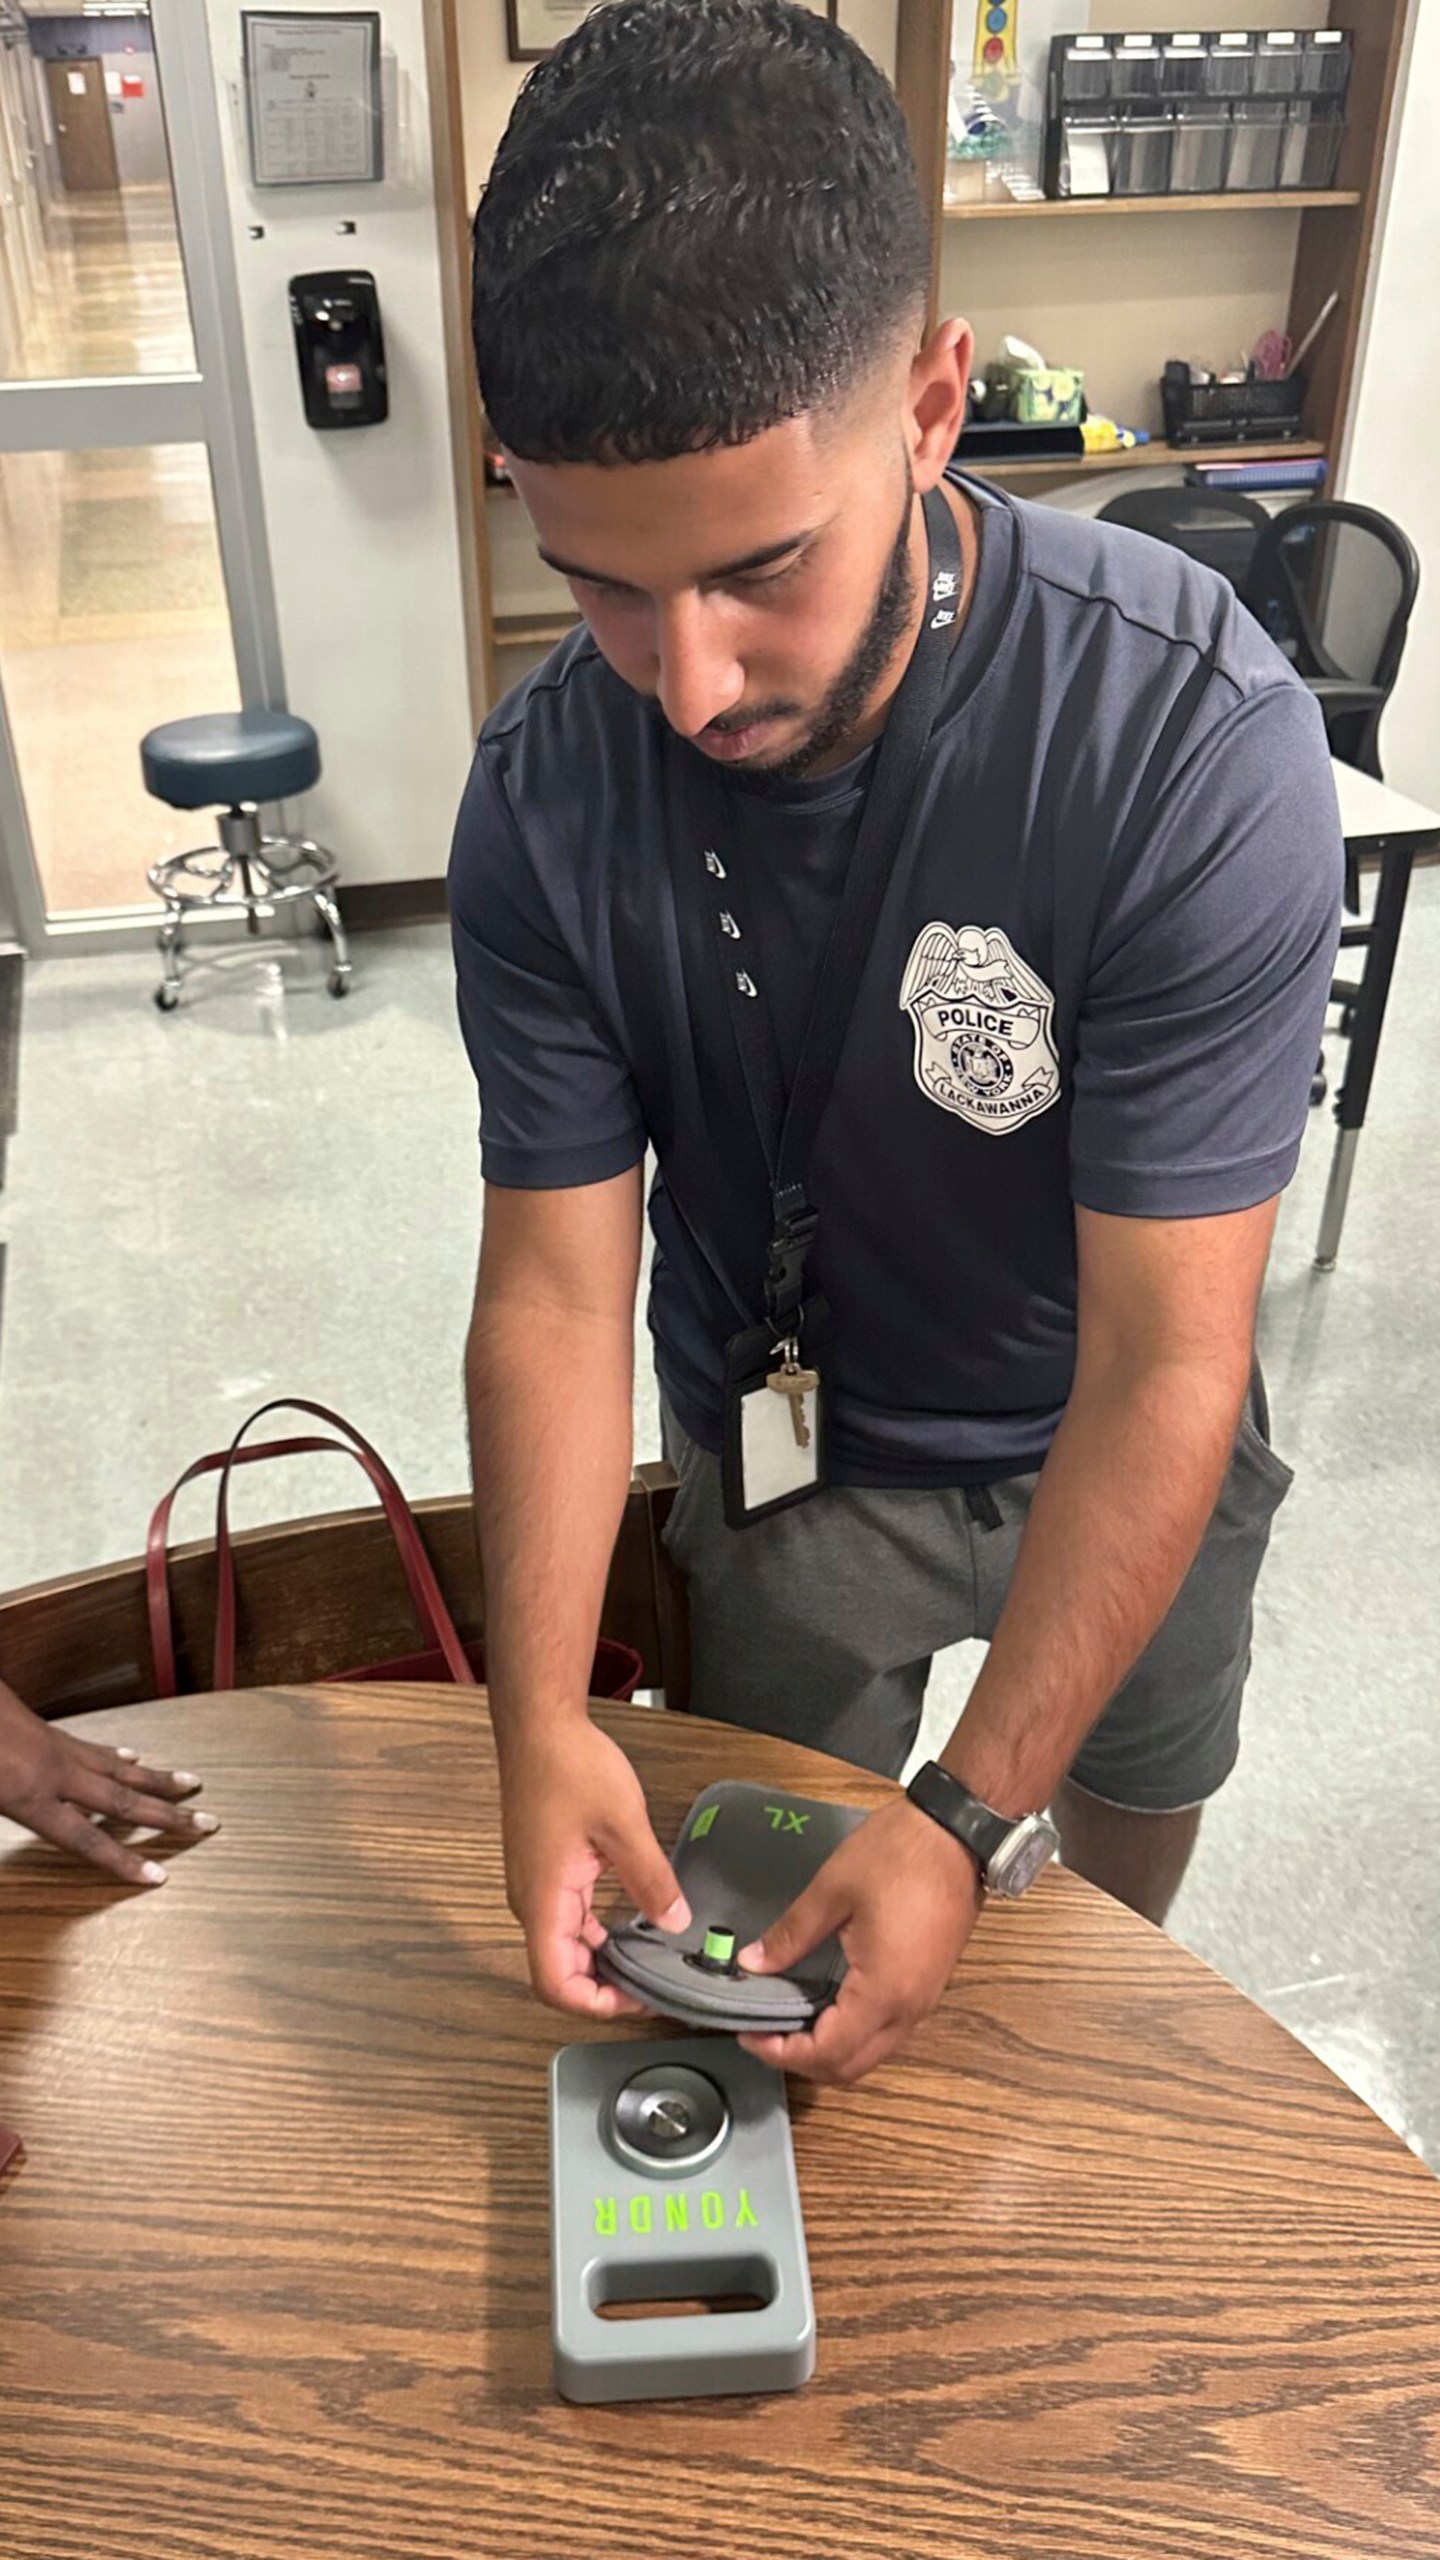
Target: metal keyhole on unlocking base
669, 2118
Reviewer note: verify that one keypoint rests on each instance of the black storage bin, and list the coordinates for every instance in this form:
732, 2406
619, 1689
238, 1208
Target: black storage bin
1234, 111
1135, 70
1085, 71
1077, 93
1142, 154
1087, 156
1229, 66
1279, 60
1006, 440
1325, 71
1256, 141
1182, 67
1201, 150
1232, 412
1311, 149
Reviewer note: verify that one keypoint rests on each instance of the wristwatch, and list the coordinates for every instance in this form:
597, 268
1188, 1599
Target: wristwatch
1009, 1854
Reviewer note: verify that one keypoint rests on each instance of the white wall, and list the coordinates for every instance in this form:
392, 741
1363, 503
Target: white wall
1390, 460
490, 81
141, 159
489, 87
362, 524
1197, 287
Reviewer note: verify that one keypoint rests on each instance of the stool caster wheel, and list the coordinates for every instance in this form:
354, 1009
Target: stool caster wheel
1318, 1090
167, 998
338, 982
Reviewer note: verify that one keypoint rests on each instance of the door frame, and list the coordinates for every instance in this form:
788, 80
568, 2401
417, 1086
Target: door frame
210, 406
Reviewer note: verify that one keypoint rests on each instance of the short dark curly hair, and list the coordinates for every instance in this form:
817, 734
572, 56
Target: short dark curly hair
704, 218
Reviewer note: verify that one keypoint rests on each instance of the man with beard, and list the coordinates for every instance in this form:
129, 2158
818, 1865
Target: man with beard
946, 889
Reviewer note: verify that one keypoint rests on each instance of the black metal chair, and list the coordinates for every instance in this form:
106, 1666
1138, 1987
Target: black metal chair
1210, 525
1334, 586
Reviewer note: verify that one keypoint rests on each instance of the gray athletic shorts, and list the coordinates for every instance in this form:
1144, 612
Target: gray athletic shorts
819, 1623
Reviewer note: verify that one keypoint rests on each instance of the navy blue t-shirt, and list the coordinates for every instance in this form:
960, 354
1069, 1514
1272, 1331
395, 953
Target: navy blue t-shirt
1099, 977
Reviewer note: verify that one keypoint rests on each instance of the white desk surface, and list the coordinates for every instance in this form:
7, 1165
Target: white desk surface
1370, 810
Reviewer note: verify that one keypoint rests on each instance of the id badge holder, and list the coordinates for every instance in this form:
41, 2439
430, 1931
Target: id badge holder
774, 1449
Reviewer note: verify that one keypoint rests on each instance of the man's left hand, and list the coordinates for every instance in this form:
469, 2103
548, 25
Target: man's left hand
904, 1897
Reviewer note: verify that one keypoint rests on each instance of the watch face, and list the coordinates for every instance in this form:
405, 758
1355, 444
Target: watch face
1021, 1858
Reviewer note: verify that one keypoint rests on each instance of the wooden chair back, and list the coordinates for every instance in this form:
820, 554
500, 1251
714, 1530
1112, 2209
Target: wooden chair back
317, 1597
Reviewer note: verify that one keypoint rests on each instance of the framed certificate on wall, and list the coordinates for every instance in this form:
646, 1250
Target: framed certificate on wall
537, 26
312, 97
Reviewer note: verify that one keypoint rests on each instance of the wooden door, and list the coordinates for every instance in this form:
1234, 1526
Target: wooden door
83, 129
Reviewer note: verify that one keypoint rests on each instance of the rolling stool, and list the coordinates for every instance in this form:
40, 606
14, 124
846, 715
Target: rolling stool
246, 758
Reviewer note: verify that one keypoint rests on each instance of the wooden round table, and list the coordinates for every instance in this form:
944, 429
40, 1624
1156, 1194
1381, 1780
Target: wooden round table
1108, 2265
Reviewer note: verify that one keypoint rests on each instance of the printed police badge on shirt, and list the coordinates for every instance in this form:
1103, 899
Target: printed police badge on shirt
984, 1047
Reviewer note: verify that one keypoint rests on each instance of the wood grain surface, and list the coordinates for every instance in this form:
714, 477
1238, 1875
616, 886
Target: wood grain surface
1106, 2265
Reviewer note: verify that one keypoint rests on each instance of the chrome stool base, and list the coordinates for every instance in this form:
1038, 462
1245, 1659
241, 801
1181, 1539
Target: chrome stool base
250, 875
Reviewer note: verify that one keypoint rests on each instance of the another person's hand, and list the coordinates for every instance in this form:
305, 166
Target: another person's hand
572, 1807
904, 1897
54, 1785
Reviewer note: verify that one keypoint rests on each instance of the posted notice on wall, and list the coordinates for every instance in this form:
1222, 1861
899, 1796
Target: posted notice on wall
312, 93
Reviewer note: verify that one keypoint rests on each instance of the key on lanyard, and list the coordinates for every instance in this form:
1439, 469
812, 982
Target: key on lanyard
796, 1383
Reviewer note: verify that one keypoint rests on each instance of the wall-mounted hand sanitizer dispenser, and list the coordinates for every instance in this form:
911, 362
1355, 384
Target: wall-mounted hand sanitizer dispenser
340, 347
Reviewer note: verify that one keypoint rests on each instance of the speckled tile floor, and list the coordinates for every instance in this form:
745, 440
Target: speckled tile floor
271, 1191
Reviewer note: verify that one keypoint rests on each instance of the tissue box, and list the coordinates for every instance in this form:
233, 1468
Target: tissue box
1054, 398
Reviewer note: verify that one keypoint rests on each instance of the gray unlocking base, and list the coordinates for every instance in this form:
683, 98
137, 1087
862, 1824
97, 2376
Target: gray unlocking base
672, 2179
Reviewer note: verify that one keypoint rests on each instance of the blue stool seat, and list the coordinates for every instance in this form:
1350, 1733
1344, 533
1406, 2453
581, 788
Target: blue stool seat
227, 757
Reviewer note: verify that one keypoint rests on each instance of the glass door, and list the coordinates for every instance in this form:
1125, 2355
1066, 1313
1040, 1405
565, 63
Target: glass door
133, 581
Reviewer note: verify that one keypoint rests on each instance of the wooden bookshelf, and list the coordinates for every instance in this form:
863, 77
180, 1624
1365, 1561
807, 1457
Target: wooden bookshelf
532, 630
1072, 208
1334, 228
528, 631
1139, 457
1334, 235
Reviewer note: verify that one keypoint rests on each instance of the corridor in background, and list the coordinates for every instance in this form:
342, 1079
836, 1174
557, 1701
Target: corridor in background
113, 606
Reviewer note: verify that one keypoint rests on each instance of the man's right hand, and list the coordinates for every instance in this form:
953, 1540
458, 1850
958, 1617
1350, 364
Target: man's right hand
572, 1808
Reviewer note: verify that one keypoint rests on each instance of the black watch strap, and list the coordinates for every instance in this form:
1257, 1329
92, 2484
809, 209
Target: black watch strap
981, 1830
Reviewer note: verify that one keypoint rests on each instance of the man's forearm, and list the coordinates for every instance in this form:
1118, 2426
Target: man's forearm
1118, 1516
549, 1397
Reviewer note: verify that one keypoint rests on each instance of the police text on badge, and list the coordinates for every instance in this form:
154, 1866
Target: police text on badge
984, 1038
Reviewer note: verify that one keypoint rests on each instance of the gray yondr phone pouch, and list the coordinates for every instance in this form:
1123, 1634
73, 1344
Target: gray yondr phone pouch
744, 1854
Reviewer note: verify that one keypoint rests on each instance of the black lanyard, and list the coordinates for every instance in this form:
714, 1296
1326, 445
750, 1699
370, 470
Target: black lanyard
787, 1129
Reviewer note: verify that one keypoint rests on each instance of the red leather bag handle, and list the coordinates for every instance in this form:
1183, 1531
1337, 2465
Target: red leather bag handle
437, 1626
